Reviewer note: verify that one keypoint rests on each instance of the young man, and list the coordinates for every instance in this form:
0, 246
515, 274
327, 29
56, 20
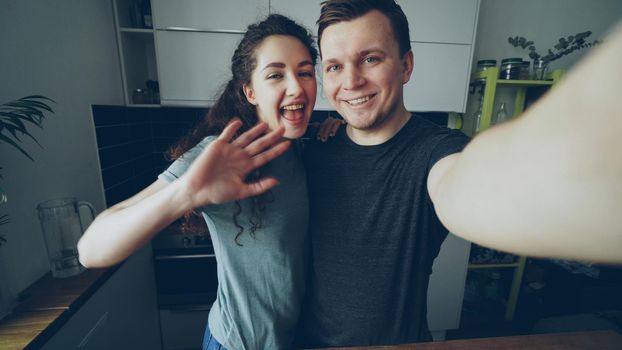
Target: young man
374, 230
377, 186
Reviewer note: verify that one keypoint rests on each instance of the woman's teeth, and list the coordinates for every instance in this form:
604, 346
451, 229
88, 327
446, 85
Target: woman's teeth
293, 107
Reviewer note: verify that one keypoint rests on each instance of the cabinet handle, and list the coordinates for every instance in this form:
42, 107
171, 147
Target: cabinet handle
184, 256
202, 30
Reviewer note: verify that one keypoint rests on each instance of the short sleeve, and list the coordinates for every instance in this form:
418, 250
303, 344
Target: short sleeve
452, 142
181, 164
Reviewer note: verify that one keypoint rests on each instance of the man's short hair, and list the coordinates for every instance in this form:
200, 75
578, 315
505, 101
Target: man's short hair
335, 11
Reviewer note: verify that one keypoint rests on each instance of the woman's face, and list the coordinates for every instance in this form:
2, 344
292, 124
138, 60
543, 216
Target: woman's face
283, 85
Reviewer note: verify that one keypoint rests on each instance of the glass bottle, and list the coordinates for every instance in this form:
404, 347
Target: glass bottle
477, 119
501, 114
471, 122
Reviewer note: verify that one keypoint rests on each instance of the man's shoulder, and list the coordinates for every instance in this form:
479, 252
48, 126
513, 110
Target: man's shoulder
421, 131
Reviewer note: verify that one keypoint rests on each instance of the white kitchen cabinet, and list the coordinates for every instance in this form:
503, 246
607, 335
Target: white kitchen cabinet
441, 21
440, 78
193, 66
230, 15
122, 314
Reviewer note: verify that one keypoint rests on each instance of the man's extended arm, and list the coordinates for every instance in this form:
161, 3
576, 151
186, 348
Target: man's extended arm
550, 182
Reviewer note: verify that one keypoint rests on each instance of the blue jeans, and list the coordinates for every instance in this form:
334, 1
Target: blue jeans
209, 342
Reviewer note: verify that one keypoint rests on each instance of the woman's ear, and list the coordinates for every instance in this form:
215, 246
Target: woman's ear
250, 94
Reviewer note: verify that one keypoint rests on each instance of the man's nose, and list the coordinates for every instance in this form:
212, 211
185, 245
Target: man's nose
352, 78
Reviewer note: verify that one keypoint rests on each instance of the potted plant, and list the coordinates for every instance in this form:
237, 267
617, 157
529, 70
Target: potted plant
564, 46
14, 119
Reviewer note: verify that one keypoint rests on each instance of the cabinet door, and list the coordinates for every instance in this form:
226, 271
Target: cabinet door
121, 314
182, 329
440, 78
193, 66
441, 21
446, 288
208, 15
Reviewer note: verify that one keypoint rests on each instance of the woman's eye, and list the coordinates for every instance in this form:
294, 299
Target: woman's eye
274, 76
307, 74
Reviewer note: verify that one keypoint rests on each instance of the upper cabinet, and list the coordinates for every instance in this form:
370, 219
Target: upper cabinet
230, 15
193, 66
441, 21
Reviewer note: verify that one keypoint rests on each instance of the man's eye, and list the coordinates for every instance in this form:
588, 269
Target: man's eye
307, 74
333, 68
371, 59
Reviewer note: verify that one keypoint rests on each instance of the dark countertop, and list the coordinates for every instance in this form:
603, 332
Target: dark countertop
46, 305
601, 340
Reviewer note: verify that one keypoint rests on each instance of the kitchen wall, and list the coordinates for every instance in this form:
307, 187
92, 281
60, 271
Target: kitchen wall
543, 22
65, 50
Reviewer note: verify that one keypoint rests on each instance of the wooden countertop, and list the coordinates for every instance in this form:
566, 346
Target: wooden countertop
46, 305
594, 340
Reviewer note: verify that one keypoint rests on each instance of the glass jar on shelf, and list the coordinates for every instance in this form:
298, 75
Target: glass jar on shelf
525, 72
540, 67
483, 65
140, 96
510, 68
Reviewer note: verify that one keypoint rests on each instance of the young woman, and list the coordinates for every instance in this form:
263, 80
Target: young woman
258, 229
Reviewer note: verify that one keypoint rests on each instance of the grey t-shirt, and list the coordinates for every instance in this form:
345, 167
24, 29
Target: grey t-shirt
261, 282
374, 236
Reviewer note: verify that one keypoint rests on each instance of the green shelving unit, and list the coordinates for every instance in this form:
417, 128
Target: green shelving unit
491, 82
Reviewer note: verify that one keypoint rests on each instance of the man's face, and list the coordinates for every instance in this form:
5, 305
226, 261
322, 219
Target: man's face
363, 71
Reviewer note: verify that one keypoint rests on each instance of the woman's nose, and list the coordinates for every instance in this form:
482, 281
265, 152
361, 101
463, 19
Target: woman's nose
294, 87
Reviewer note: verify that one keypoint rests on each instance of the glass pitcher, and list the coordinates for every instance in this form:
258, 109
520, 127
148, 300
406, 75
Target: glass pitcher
62, 228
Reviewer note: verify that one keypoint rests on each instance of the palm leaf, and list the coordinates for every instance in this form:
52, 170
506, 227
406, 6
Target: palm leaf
14, 115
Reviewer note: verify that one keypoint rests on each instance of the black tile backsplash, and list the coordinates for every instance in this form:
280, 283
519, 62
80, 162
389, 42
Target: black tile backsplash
132, 143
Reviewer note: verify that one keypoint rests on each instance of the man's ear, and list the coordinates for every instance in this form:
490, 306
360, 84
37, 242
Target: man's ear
408, 63
250, 94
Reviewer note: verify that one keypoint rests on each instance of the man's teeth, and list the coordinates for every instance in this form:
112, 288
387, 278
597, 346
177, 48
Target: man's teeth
293, 107
358, 101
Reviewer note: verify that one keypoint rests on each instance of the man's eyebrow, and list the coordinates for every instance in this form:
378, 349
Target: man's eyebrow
360, 54
372, 50
305, 63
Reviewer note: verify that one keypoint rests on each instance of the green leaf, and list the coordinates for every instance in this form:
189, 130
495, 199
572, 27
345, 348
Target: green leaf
11, 142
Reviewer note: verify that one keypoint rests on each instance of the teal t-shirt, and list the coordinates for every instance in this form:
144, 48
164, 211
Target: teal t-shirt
260, 283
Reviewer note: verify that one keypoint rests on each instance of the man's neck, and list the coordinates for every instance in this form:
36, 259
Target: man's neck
381, 133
